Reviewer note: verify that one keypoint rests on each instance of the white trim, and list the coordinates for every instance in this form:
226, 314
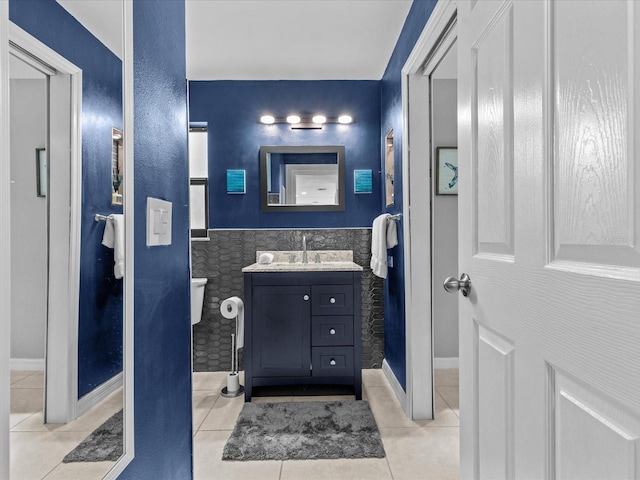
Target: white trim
128, 334
98, 394
5, 243
430, 36
62, 325
419, 402
442, 363
27, 364
394, 383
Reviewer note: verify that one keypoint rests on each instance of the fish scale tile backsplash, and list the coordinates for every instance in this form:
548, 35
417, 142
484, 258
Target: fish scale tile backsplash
221, 260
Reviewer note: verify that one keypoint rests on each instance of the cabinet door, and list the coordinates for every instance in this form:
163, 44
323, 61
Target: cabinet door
281, 331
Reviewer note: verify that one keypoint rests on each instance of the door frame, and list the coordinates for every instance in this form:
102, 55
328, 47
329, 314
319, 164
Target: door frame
61, 371
5, 244
419, 402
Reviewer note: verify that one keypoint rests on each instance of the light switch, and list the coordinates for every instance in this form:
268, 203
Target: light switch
158, 222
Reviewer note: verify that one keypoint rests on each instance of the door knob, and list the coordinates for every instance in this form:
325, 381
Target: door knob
306, 297
452, 284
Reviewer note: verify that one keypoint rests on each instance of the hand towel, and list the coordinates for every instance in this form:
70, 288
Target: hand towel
384, 236
113, 237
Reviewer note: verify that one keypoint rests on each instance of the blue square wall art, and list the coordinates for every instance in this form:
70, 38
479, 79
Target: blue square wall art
362, 181
236, 181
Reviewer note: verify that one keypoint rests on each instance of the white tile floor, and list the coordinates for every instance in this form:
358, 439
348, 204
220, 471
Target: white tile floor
37, 449
416, 450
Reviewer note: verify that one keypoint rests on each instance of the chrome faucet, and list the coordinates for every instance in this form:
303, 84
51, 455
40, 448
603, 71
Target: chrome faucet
304, 250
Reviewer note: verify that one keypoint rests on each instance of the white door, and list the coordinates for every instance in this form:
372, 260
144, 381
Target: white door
549, 202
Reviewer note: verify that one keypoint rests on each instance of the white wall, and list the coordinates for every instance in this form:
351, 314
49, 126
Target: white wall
28, 221
445, 226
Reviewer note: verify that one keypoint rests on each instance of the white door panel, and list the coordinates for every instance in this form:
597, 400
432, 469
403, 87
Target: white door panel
495, 359
594, 437
596, 214
549, 235
493, 142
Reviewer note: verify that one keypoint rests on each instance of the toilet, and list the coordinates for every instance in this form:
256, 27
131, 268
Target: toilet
197, 299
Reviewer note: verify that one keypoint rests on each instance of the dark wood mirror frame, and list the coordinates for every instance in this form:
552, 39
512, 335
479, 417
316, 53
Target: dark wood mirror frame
302, 149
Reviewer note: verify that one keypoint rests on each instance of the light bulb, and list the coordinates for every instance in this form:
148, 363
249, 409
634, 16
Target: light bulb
267, 119
344, 119
320, 119
293, 119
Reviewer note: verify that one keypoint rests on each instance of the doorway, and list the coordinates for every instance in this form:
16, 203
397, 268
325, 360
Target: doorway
443, 83
429, 105
55, 213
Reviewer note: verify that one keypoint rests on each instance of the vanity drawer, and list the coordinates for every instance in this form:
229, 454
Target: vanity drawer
332, 361
332, 300
335, 330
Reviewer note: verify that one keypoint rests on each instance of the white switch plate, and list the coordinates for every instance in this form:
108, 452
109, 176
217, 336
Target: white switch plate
158, 222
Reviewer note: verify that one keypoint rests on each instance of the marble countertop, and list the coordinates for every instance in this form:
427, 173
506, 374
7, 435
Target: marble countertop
330, 261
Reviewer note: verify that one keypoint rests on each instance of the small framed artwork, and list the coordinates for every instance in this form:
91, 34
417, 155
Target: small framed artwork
41, 172
362, 181
447, 170
236, 181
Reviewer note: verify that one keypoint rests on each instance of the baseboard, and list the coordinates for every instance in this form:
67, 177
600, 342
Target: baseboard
451, 362
394, 384
27, 364
98, 394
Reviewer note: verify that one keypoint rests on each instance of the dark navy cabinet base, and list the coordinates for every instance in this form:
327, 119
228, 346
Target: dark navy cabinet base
302, 328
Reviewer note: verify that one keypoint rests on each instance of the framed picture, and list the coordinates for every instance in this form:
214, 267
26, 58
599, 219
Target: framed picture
446, 170
41, 172
236, 181
362, 181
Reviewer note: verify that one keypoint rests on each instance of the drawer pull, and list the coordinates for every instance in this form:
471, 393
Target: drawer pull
332, 362
332, 331
332, 300
306, 298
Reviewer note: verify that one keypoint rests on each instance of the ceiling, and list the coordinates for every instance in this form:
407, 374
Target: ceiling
272, 39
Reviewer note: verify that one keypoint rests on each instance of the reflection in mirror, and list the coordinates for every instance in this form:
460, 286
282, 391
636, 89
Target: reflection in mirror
67, 317
388, 168
117, 166
302, 178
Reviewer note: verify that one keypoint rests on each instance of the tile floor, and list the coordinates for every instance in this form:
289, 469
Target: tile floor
416, 450
426, 449
37, 449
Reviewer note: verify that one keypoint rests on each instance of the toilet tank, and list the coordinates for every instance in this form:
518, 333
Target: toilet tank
197, 299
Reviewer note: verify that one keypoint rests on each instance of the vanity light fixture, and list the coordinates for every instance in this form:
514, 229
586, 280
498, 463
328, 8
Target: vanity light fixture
306, 122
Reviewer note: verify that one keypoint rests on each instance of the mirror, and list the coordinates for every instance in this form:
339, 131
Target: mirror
66, 98
389, 169
117, 166
302, 178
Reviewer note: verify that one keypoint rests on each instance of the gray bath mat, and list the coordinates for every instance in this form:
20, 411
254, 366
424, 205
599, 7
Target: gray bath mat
104, 444
304, 430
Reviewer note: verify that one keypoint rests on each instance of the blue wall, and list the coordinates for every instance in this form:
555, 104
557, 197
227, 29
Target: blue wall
101, 302
162, 327
232, 110
391, 118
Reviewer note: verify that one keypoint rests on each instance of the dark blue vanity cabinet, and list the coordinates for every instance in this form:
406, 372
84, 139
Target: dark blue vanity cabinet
302, 328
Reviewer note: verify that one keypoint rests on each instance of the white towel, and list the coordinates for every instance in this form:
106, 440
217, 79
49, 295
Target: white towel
114, 238
384, 235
